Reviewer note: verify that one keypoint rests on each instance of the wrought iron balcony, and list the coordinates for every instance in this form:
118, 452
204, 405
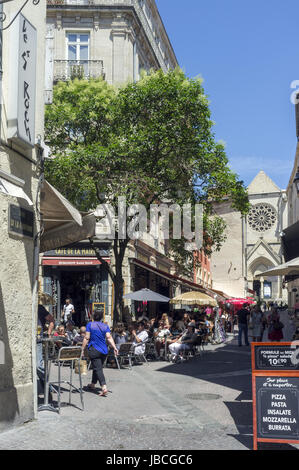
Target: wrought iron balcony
69, 69
70, 2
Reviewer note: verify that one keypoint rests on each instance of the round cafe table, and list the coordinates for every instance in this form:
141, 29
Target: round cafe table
46, 341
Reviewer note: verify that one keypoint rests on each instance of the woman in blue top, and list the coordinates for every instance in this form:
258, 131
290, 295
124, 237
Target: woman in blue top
97, 333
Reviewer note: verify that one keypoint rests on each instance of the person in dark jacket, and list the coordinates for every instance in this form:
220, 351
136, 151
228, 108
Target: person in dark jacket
243, 315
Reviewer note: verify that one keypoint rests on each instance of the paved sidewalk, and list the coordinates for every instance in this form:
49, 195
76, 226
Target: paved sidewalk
204, 403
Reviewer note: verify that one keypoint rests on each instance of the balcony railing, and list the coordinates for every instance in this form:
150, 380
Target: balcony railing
70, 2
69, 69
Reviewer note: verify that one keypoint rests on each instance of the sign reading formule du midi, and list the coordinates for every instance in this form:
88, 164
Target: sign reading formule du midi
22, 86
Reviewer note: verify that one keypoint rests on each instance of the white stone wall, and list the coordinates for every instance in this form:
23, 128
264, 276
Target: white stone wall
16, 254
126, 39
227, 264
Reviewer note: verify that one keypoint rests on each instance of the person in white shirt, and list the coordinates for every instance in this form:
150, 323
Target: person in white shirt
67, 311
140, 337
160, 334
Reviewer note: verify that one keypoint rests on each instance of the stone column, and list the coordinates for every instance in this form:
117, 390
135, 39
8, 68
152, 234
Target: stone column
118, 56
262, 288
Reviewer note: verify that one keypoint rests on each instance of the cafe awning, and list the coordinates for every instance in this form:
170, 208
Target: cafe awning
290, 268
63, 224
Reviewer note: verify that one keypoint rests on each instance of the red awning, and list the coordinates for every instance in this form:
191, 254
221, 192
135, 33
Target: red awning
66, 261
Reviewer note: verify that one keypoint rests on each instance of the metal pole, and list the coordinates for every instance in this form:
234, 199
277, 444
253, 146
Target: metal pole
1, 71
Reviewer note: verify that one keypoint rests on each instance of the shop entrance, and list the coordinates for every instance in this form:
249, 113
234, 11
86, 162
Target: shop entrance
83, 287
78, 286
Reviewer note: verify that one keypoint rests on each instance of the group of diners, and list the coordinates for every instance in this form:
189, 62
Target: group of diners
171, 333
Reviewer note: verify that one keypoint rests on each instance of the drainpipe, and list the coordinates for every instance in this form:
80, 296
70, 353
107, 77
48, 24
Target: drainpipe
1, 71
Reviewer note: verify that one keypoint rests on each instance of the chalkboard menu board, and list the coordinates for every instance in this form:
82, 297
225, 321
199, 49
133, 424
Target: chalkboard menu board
99, 306
277, 401
275, 392
282, 357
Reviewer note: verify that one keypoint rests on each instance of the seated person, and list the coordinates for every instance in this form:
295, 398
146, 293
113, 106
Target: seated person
139, 338
62, 334
132, 327
78, 340
165, 320
180, 324
60, 331
185, 341
160, 335
186, 319
120, 336
71, 331
151, 327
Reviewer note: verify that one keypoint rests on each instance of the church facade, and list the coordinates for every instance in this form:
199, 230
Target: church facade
253, 243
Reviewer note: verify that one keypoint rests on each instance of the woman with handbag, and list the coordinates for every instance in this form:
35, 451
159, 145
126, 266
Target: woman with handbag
97, 333
275, 326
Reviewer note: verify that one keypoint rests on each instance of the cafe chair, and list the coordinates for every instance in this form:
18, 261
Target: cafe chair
125, 353
137, 357
111, 355
69, 354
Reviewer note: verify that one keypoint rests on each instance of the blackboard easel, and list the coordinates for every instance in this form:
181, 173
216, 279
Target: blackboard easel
275, 393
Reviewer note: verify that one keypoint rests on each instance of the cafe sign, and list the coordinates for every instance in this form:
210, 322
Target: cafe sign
21, 119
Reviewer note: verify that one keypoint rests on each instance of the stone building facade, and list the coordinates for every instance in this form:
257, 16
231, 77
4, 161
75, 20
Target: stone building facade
115, 39
253, 243
291, 232
22, 103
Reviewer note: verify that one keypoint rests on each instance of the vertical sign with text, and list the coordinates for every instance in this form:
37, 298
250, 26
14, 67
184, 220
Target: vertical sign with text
22, 90
27, 79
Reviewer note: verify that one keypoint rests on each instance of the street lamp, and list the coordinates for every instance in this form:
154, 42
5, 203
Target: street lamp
296, 181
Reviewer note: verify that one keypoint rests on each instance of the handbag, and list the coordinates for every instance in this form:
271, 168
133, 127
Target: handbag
278, 325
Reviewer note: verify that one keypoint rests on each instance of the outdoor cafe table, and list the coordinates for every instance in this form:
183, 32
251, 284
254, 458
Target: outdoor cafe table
46, 341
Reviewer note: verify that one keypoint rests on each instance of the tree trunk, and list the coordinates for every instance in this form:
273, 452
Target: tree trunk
119, 253
119, 248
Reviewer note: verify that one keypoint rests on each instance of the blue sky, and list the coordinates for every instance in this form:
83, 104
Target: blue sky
248, 55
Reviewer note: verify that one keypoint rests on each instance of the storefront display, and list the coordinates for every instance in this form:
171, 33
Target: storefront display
74, 272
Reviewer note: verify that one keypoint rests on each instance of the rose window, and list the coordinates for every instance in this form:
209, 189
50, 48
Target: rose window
262, 217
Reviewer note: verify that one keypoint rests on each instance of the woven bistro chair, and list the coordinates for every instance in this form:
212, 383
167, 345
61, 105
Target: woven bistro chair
69, 354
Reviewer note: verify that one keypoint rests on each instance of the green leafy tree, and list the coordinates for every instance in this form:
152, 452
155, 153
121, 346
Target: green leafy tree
149, 141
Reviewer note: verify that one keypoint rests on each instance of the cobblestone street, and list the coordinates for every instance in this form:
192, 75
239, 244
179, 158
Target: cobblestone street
204, 403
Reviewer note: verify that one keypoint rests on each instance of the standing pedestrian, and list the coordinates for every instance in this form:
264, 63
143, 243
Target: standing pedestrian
97, 333
67, 311
242, 316
257, 318
275, 326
